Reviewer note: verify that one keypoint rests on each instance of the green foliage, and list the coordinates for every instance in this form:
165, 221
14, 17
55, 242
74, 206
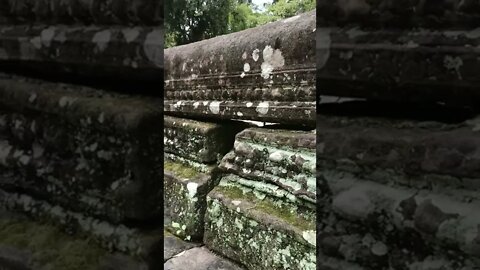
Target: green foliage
189, 21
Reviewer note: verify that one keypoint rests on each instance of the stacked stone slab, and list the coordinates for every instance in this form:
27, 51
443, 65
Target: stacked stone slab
86, 160
265, 74
397, 157
260, 212
192, 151
121, 40
422, 51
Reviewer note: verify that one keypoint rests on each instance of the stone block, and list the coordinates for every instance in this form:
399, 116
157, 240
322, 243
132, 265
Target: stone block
265, 73
203, 142
84, 149
257, 230
173, 246
399, 65
185, 192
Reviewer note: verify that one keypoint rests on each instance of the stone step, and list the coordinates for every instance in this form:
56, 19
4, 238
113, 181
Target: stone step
265, 73
396, 14
282, 158
400, 65
204, 142
99, 52
125, 12
185, 192
259, 231
29, 245
82, 147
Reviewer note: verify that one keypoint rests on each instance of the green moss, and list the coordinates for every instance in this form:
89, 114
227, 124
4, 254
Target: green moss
179, 169
266, 205
50, 246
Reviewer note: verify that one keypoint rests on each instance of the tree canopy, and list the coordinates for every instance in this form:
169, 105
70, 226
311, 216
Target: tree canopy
188, 21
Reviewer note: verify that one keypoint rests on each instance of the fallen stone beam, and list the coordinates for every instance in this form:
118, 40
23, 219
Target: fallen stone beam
397, 14
400, 65
122, 53
203, 142
84, 149
124, 12
185, 192
391, 191
266, 74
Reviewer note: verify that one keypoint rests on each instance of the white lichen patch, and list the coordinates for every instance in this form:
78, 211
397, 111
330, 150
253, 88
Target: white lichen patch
246, 67
272, 59
101, 39
249, 104
130, 34
244, 56
242, 75
255, 55
310, 236
262, 108
196, 104
215, 107
5, 149
192, 189
65, 101
175, 225
101, 118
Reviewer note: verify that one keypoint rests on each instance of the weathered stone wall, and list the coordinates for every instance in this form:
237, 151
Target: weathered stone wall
81, 164
247, 193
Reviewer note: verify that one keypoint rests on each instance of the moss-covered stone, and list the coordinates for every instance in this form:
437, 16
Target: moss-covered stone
261, 232
265, 73
185, 191
204, 142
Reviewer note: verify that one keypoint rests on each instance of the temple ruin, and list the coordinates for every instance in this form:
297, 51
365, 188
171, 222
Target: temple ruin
247, 193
